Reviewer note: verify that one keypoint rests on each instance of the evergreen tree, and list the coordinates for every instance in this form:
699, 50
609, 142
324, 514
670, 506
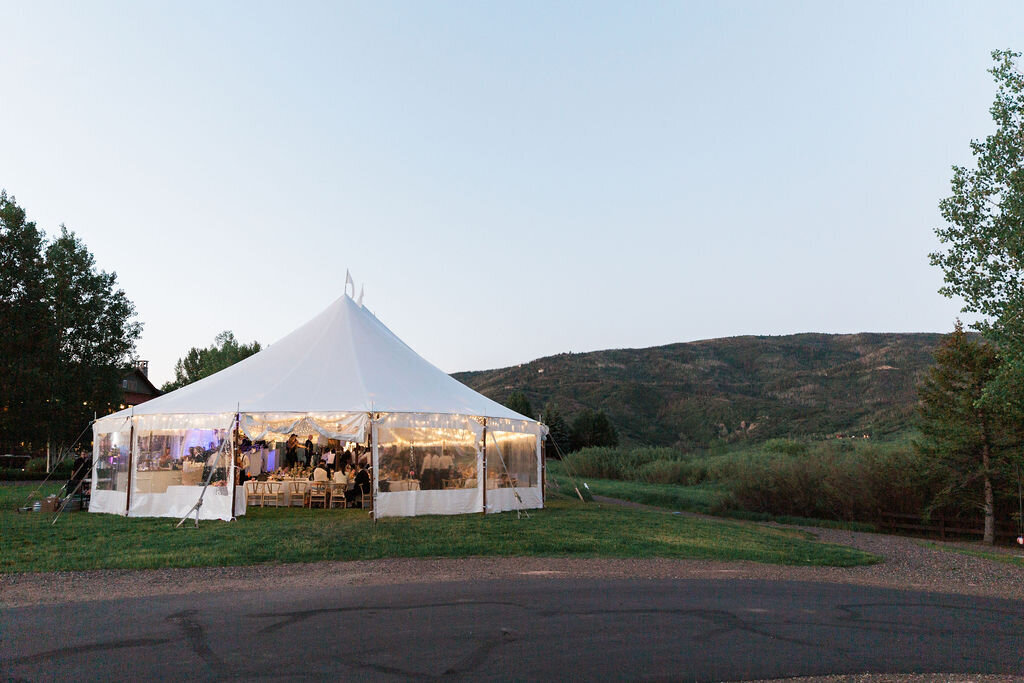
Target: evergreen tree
199, 363
592, 428
964, 439
26, 344
559, 436
518, 402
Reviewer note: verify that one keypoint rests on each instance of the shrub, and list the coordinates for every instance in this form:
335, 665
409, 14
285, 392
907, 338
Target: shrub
830, 482
36, 465
615, 463
786, 446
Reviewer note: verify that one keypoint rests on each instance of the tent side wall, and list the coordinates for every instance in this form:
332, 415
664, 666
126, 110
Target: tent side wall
111, 463
432, 465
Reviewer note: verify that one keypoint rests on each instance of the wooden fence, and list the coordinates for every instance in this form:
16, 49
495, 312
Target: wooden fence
947, 527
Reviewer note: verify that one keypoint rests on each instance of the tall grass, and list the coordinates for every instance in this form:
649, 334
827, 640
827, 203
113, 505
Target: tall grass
838, 480
651, 465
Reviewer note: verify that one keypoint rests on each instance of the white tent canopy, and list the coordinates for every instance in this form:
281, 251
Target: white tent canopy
343, 375
344, 359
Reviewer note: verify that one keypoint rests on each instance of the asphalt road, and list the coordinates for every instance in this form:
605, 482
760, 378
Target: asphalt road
525, 629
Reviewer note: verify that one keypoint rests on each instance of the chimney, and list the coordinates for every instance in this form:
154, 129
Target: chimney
143, 367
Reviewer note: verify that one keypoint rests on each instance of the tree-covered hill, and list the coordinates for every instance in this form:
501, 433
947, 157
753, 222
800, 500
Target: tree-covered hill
692, 394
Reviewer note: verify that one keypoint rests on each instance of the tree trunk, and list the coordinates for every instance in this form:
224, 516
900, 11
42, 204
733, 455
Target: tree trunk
990, 521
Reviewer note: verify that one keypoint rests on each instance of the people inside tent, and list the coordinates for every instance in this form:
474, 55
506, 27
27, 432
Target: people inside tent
308, 446
445, 468
291, 451
319, 473
362, 486
428, 472
242, 467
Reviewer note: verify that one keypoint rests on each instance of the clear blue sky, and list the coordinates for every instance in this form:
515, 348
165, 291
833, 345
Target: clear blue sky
508, 180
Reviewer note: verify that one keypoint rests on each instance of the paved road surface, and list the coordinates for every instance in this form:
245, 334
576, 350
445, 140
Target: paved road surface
523, 628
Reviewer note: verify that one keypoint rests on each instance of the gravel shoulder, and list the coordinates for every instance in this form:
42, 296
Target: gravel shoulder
907, 564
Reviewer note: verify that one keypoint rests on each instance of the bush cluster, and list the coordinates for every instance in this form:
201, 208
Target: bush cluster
825, 480
830, 481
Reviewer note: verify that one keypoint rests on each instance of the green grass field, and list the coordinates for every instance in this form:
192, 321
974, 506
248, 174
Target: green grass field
566, 527
704, 498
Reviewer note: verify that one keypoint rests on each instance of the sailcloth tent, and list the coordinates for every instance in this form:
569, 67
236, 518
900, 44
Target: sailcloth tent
438, 447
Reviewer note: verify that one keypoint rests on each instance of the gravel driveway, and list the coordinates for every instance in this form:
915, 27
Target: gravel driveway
908, 564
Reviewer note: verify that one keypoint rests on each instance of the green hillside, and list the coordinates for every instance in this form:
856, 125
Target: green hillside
731, 389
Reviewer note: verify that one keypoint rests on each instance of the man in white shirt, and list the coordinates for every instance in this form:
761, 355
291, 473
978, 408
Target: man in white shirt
320, 474
445, 465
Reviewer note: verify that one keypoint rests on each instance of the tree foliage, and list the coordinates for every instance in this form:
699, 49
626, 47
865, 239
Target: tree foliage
199, 363
518, 402
593, 428
27, 327
967, 441
69, 332
559, 436
983, 254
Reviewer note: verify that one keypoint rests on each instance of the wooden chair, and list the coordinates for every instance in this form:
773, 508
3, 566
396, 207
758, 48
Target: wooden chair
317, 494
254, 492
338, 495
272, 491
366, 500
298, 491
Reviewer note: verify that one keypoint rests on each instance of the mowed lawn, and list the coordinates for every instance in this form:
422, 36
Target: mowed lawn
566, 527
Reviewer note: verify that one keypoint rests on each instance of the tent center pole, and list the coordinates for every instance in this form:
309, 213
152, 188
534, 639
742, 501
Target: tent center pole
131, 467
483, 477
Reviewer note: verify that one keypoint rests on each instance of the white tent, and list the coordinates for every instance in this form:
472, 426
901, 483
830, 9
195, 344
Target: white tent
343, 375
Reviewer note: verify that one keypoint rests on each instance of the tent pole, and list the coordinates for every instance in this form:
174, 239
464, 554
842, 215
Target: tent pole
483, 469
234, 470
131, 465
543, 469
374, 455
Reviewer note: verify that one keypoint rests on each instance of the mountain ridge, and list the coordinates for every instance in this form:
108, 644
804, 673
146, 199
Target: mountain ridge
691, 394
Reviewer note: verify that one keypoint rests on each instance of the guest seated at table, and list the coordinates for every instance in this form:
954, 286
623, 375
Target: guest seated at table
320, 473
362, 485
339, 477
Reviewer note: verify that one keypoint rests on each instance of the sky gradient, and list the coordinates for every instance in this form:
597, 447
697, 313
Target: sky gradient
508, 180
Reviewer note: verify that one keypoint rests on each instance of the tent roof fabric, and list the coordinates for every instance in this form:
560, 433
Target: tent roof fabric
343, 360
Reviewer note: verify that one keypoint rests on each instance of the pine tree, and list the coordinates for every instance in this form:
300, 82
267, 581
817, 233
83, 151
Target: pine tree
26, 344
592, 428
559, 435
519, 403
962, 436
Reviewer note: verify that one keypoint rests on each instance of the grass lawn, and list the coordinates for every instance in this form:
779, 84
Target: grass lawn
566, 527
707, 498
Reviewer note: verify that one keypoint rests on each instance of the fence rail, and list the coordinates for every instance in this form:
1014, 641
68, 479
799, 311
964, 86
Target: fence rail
946, 526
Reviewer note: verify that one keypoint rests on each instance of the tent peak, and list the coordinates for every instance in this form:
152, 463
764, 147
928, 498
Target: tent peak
350, 281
